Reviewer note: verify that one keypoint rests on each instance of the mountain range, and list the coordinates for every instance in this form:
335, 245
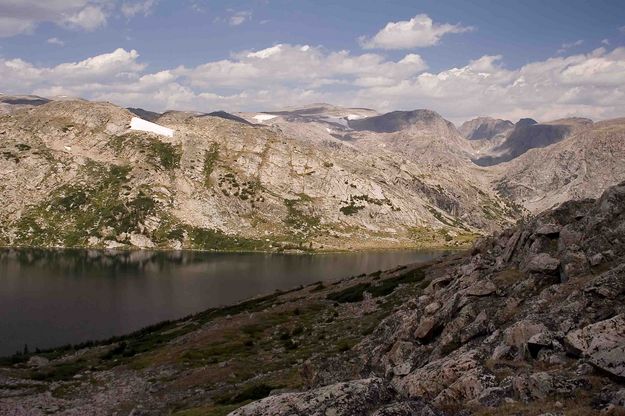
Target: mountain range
74, 174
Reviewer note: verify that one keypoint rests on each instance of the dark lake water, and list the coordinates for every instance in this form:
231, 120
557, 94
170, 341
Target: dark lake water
54, 297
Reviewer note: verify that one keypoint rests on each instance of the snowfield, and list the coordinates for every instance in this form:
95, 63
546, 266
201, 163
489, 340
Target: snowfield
264, 117
143, 125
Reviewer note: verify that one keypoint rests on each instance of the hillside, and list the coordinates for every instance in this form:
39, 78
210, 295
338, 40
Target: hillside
581, 166
530, 321
485, 128
528, 134
73, 174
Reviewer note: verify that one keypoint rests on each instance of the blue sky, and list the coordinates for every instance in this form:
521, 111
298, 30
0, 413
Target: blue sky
194, 45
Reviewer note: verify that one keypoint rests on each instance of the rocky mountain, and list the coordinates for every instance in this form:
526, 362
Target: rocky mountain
530, 321
581, 166
485, 128
74, 174
529, 134
10, 103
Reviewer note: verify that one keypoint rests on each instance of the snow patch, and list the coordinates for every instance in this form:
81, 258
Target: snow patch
264, 117
143, 125
354, 117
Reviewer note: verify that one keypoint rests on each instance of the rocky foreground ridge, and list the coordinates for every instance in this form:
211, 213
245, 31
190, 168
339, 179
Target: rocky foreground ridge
530, 322
533, 320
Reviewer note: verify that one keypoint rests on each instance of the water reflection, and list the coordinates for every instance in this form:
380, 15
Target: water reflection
53, 297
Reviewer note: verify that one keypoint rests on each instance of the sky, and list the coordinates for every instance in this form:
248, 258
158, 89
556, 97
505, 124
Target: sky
505, 58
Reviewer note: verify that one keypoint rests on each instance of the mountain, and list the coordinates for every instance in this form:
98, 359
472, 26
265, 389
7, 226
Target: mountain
74, 174
144, 114
529, 134
581, 166
485, 128
10, 103
531, 320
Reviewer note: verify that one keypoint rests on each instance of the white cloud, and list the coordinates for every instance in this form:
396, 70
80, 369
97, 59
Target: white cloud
300, 64
282, 75
55, 41
89, 18
418, 32
605, 42
23, 16
568, 45
144, 7
10, 26
238, 18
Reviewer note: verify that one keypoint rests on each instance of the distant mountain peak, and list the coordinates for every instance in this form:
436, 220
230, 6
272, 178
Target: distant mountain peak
485, 128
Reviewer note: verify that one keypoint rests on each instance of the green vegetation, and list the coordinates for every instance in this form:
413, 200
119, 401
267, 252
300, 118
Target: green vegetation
384, 287
165, 155
93, 207
355, 203
251, 393
211, 156
298, 220
207, 239
168, 154
449, 221
351, 209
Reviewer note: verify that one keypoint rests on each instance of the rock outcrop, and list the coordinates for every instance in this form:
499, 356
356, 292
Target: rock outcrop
485, 128
526, 317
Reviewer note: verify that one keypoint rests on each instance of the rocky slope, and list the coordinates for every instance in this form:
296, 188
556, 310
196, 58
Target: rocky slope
73, 174
581, 166
533, 319
321, 177
529, 134
485, 128
530, 322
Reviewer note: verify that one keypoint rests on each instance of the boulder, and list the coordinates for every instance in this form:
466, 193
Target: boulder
141, 241
602, 343
521, 332
340, 399
548, 230
574, 264
408, 408
538, 342
482, 288
542, 263
37, 361
569, 237
427, 328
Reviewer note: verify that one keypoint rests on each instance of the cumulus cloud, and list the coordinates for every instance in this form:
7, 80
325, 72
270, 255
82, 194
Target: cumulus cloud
301, 65
418, 32
23, 16
144, 7
282, 75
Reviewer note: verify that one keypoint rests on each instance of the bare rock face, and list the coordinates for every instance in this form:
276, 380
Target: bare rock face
582, 165
342, 399
603, 343
485, 128
528, 134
